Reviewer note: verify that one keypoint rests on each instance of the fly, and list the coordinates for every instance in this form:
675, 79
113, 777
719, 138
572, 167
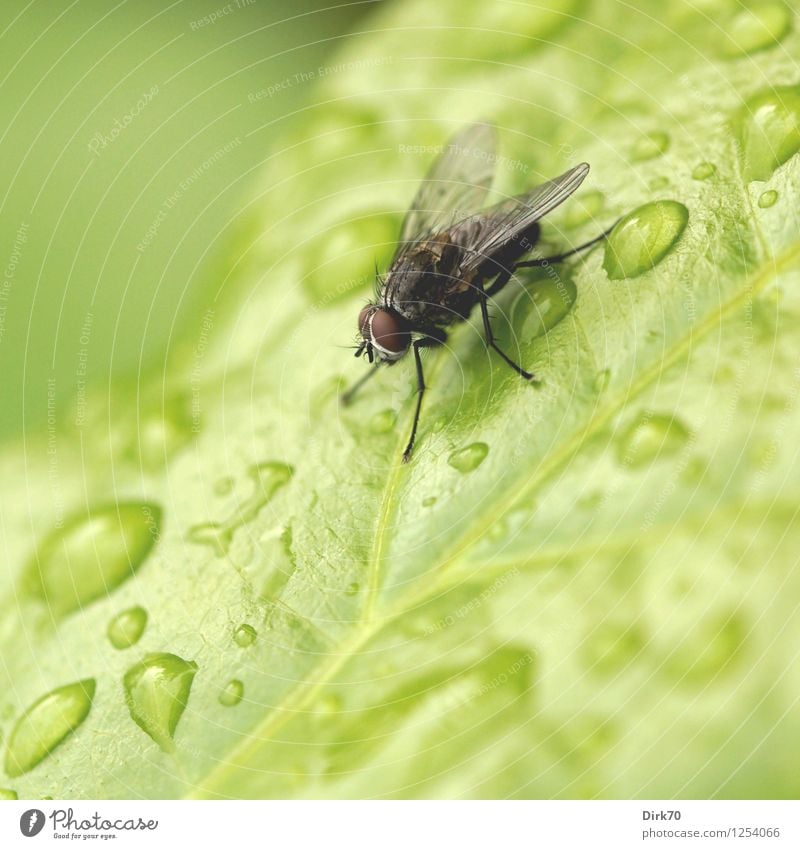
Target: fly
450, 256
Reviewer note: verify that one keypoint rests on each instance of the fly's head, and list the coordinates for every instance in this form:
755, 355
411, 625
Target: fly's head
384, 334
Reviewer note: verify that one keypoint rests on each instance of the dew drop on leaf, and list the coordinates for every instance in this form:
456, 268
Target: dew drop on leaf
704, 170
755, 29
7, 795
232, 693
468, 459
92, 555
767, 199
584, 208
601, 380
156, 692
659, 183
245, 635
224, 486
650, 437
352, 589
552, 297
643, 238
429, 501
382, 422
127, 627
47, 723
649, 146
768, 127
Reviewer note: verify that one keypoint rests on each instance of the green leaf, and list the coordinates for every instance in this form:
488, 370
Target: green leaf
605, 603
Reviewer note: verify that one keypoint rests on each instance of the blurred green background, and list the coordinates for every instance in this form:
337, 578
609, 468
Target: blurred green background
132, 131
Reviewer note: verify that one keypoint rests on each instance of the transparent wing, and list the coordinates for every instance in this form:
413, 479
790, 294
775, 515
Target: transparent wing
456, 185
509, 218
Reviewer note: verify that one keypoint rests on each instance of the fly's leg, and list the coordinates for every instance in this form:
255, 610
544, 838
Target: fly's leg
347, 396
549, 260
416, 345
487, 328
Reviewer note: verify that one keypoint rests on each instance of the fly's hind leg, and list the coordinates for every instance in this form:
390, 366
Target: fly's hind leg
487, 328
550, 260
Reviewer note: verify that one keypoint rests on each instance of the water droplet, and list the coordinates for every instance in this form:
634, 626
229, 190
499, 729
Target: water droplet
244, 636
643, 238
651, 437
703, 171
468, 459
162, 432
498, 530
767, 199
267, 478
649, 146
352, 589
659, 183
90, 556
755, 29
232, 693
601, 380
383, 422
156, 692
584, 208
429, 501
329, 704
126, 628
46, 724
7, 795
224, 486
768, 126
552, 298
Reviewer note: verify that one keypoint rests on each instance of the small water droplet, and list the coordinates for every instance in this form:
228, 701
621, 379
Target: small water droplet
553, 298
649, 146
755, 29
126, 628
329, 704
47, 723
267, 478
353, 589
162, 432
768, 126
659, 183
382, 422
498, 530
704, 170
767, 199
224, 486
429, 501
468, 459
643, 238
584, 208
651, 437
92, 555
156, 692
601, 380
7, 795
232, 693
244, 635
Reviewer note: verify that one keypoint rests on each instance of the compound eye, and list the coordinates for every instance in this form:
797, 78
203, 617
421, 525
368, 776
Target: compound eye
388, 332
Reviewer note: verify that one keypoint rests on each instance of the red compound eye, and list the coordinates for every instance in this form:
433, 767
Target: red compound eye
388, 332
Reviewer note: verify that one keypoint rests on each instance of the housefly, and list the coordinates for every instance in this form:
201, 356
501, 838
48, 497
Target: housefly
450, 256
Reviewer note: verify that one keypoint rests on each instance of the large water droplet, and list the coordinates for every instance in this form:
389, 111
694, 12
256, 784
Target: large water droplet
468, 459
91, 556
245, 635
643, 238
584, 208
232, 693
768, 127
156, 692
649, 146
651, 437
126, 628
47, 723
552, 297
767, 199
755, 29
267, 478
704, 170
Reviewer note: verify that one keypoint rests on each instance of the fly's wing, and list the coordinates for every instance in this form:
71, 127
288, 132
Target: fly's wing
455, 187
509, 218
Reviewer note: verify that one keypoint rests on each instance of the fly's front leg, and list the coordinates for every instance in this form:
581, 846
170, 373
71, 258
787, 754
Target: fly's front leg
487, 328
417, 344
347, 396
